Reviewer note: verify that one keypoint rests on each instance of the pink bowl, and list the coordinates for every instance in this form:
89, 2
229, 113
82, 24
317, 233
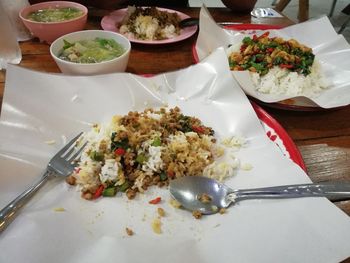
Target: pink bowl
49, 31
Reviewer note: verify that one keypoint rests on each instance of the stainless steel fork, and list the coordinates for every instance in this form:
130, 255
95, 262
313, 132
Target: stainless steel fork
62, 164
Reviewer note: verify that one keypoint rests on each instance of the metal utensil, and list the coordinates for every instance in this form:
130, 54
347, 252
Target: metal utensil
187, 22
191, 21
62, 164
197, 193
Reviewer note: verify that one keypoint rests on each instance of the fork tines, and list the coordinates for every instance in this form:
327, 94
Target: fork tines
69, 152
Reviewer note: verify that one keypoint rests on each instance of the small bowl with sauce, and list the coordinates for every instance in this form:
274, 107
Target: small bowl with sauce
91, 52
50, 20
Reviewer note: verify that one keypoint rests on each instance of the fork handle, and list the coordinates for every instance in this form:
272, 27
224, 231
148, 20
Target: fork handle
9, 212
333, 191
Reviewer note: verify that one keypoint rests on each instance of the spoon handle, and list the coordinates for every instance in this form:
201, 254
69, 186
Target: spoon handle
333, 191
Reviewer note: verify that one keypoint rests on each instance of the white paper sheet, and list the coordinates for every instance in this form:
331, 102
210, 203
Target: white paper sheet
332, 52
38, 107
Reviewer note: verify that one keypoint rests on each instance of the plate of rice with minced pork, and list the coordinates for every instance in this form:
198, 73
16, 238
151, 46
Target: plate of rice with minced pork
148, 25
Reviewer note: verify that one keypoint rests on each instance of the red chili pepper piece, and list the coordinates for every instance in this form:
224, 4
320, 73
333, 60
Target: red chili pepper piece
289, 66
98, 192
255, 38
270, 49
119, 151
198, 129
155, 200
243, 47
264, 35
170, 173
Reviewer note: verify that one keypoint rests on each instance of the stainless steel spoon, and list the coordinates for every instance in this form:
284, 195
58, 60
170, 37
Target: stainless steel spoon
191, 21
197, 193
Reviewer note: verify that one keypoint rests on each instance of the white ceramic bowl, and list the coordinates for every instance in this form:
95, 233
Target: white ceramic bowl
118, 64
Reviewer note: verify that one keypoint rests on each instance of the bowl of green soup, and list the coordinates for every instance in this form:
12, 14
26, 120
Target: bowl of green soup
50, 20
91, 52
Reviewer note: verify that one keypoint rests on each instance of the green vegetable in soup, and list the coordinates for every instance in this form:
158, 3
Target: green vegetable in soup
55, 14
91, 51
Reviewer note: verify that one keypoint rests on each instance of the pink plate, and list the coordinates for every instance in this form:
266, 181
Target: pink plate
110, 21
295, 104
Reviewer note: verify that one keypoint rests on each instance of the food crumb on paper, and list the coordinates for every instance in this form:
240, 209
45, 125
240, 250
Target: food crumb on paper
50, 142
99, 214
214, 208
129, 231
59, 209
222, 210
246, 166
197, 214
157, 226
161, 212
174, 203
217, 225
74, 98
234, 142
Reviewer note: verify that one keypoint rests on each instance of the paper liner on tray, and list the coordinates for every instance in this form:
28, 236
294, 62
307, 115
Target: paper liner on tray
332, 52
40, 107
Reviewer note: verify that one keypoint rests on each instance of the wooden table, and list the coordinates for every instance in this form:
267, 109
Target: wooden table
322, 137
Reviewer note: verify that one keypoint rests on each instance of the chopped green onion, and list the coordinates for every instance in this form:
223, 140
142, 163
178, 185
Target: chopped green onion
185, 123
232, 63
247, 41
110, 191
273, 44
156, 142
278, 60
124, 143
96, 156
261, 46
67, 44
103, 42
258, 67
163, 176
141, 158
124, 186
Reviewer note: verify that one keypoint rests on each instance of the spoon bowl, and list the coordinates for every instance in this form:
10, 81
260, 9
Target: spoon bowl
198, 193
187, 22
191, 21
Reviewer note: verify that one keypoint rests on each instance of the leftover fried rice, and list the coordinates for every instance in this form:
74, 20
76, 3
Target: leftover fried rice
141, 149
